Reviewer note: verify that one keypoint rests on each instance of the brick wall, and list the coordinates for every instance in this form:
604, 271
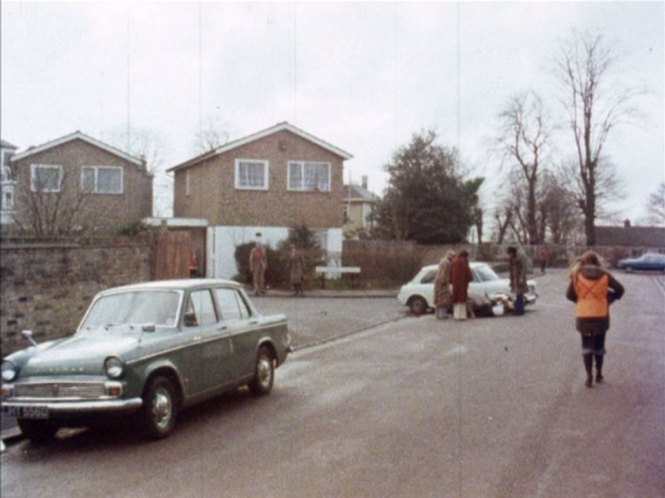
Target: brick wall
48, 287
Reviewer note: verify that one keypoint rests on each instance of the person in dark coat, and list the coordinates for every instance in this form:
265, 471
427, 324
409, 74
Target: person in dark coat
460, 276
593, 289
518, 284
297, 270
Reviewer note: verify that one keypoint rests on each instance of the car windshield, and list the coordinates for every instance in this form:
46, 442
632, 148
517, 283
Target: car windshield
134, 308
485, 273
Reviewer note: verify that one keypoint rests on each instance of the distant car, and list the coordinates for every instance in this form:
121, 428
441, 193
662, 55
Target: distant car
145, 351
418, 294
647, 262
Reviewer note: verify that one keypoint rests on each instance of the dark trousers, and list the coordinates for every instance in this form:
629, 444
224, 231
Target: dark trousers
593, 347
519, 304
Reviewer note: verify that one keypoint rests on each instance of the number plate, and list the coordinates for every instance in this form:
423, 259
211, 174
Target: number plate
33, 412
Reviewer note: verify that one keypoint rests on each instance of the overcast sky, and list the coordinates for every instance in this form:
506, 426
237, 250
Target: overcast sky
362, 76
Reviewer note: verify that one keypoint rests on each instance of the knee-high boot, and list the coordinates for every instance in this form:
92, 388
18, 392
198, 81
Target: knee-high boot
588, 366
599, 367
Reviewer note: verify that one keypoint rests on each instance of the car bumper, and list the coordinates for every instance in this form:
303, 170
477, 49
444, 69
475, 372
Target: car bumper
19, 408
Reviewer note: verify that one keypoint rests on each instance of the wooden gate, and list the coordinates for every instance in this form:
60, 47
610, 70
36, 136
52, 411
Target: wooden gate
174, 250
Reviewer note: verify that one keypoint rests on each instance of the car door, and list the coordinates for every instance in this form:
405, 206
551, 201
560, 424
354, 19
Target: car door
243, 331
206, 340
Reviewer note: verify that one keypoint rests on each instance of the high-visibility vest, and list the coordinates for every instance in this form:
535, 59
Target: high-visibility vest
592, 297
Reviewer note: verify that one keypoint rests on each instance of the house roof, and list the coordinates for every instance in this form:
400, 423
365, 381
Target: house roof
77, 135
358, 193
6, 145
630, 236
261, 134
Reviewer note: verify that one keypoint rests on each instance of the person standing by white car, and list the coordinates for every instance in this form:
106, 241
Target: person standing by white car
518, 284
442, 295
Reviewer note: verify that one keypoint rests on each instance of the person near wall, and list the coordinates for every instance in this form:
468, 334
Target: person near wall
543, 257
593, 289
258, 262
460, 276
518, 285
297, 270
442, 296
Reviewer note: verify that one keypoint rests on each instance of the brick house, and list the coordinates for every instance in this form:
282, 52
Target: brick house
263, 183
7, 183
89, 184
359, 205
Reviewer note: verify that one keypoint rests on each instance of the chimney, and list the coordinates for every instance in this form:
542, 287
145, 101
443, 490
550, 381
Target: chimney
626, 224
364, 181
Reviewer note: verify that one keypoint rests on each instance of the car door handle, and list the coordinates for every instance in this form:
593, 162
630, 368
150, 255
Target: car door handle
222, 329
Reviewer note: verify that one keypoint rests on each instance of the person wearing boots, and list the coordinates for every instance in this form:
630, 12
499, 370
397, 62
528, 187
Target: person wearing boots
297, 270
593, 289
518, 268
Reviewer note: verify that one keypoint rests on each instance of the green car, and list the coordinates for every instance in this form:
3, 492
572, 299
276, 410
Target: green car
145, 351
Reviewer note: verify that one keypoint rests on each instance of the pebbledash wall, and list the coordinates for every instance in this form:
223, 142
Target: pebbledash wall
47, 287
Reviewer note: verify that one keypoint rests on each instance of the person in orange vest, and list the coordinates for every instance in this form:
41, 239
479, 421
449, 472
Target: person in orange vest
593, 289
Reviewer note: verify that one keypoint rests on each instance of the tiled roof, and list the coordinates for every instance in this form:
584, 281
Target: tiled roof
261, 134
77, 135
358, 193
6, 145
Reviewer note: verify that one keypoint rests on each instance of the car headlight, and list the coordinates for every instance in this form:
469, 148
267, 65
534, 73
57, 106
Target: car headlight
114, 367
9, 371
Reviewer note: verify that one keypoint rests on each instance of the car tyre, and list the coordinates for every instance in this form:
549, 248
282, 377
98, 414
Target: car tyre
629, 269
158, 413
418, 305
264, 372
38, 430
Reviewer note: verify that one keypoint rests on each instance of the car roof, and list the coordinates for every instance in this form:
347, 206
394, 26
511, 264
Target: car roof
176, 284
472, 264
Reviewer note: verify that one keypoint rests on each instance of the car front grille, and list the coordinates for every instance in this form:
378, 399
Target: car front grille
52, 390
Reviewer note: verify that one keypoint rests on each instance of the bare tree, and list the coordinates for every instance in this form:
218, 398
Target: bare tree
149, 146
524, 142
213, 133
503, 218
51, 201
656, 206
560, 216
594, 107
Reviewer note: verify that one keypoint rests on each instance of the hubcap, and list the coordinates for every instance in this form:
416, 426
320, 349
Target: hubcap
161, 408
263, 371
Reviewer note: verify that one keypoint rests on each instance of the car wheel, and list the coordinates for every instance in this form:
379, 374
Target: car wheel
159, 408
37, 430
629, 269
264, 373
418, 305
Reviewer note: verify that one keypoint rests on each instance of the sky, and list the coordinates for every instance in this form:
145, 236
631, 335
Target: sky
364, 77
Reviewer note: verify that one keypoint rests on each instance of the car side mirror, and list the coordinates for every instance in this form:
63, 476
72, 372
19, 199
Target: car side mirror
27, 334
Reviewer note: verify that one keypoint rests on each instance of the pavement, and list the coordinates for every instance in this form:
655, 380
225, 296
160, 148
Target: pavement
10, 433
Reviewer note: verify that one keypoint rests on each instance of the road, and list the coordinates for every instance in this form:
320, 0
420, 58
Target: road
412, 407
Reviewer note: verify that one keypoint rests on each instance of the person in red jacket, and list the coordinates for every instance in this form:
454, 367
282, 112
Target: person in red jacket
460, 276
593, 289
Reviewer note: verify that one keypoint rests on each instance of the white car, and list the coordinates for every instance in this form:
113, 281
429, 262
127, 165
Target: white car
418, 294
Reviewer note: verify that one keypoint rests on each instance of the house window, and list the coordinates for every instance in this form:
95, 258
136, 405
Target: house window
7, 199
307, 176
101, 179
251, 174
188, 184
45, 177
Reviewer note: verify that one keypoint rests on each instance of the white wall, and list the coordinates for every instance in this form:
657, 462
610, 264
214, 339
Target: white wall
222, 243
